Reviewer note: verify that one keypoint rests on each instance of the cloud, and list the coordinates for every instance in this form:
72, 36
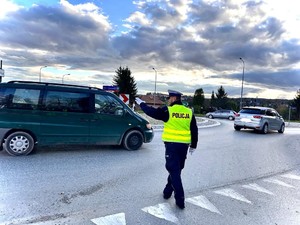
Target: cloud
62, 32
7, 7
201, 39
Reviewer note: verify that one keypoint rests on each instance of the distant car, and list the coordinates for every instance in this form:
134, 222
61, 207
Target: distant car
222, 113
262, 119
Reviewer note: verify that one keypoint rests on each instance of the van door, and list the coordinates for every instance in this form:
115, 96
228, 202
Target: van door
65, 117
109, 122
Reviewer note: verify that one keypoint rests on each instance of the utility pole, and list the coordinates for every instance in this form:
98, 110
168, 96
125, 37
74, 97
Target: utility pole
1, 71
242, 90
154, 85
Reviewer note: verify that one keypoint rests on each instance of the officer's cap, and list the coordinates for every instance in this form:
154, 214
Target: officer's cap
174, 93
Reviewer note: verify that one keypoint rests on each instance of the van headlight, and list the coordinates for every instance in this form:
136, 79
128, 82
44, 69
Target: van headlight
148, 125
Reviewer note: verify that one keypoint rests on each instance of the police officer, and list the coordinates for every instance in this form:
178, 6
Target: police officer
180, 134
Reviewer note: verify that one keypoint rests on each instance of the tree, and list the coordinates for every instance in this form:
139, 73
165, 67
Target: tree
221, 98
296, 103
126, 83
221, 93
213, 100
198, 100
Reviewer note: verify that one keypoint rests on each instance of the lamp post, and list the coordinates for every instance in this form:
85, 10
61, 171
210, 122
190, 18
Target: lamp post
62, 79
241, 103
40, 77
155, 84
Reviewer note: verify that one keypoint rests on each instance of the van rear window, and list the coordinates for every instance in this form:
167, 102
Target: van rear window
18, 98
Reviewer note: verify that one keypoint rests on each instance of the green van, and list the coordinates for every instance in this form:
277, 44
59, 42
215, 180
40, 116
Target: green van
34, 113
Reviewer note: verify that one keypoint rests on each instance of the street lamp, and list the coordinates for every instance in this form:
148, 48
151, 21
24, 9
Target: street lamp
41, 73
62, 79
241, 103
155, 84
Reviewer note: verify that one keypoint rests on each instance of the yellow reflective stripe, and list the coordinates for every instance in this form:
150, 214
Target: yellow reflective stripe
177, 131
179, 138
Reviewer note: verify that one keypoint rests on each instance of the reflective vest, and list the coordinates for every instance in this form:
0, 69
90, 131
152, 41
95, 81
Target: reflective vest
177, 128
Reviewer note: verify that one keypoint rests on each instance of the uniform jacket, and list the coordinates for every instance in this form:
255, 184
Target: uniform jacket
163, 114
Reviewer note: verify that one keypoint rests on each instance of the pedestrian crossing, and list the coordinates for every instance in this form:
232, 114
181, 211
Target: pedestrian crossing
166, 211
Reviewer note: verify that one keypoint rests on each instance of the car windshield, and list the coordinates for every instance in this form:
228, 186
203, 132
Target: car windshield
253, 111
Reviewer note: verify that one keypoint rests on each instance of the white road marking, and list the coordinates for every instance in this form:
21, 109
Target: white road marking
291, 176
279, 182
203, 202
292, 131
162, 211
258, 188
228, 192
116, 219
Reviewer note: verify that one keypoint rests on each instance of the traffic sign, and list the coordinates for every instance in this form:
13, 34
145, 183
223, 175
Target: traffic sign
110, 88
124, 98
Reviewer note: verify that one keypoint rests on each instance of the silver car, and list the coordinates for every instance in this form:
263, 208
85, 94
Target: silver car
262, 119
222, 113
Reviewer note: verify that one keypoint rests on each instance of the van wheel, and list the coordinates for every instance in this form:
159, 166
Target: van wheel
133, 140
281, 130
19, 143
265, 128
210, 116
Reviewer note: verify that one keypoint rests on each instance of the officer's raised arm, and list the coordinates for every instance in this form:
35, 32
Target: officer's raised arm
156, 113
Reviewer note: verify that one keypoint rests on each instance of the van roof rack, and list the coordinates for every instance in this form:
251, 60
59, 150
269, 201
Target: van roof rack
52, 84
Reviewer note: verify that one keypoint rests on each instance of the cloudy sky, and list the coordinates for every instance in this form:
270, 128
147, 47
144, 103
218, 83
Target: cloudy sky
191, 44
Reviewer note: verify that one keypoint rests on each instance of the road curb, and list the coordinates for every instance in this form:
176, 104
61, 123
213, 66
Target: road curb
204, 123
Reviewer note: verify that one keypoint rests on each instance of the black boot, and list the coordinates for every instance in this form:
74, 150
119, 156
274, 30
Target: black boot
167, 193
180, 202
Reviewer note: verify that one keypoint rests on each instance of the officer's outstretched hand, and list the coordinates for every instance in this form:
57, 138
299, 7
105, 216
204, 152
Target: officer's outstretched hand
191, 150
139, 101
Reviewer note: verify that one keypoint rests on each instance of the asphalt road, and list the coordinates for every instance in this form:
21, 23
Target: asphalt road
232, 178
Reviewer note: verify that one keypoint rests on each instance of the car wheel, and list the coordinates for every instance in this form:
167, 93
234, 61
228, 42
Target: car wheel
133, 140
238, 128
210, 116
281, 130
231, 118
265, 128
19, 143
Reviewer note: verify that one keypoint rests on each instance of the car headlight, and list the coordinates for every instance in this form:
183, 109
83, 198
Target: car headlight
148, 125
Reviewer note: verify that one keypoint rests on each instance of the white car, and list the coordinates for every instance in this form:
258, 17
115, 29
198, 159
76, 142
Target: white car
262, 119
222, 113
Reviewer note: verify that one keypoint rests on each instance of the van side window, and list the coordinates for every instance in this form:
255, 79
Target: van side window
18, 98
107, 105
66, 101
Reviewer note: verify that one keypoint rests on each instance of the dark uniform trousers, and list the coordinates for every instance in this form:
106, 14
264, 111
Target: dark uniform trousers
175, 159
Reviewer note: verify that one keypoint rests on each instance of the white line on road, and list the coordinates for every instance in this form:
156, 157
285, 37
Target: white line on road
258, 188
291, 176
228, 192
279, 182
116, 219
292, 131
203, 202
162, 211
